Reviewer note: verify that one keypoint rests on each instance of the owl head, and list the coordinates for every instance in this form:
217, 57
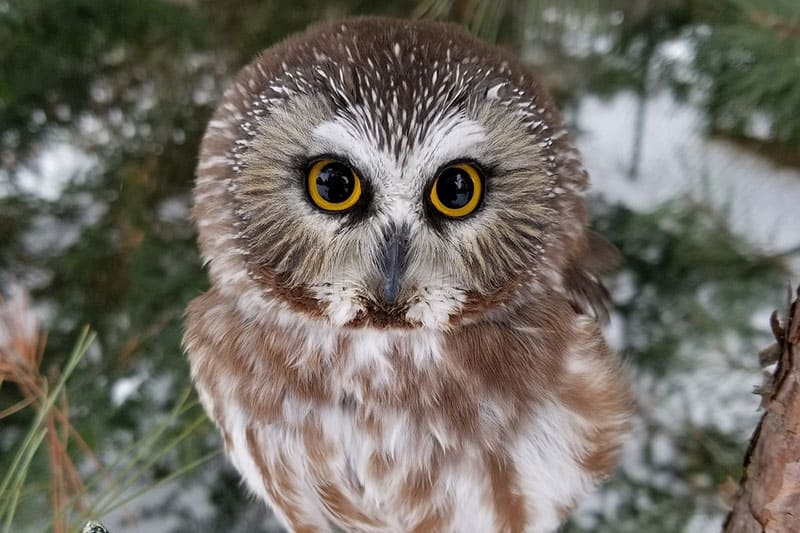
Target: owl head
393, 174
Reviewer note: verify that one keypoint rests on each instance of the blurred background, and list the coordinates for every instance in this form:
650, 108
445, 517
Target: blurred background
687, 113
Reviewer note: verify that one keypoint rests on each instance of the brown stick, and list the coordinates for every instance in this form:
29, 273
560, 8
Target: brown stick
768, 499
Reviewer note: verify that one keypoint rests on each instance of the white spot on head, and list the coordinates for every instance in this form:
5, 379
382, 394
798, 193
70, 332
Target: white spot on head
492, 93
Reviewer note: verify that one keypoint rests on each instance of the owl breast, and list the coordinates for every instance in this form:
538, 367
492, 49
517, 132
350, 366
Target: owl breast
391, 430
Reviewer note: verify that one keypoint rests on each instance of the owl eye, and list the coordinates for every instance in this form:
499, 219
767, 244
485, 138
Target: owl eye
333, 186
457, 190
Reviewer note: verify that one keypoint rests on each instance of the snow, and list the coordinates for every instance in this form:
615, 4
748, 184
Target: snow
761, 200
57, 165
51, 234
133, 518
126, 387
174, 209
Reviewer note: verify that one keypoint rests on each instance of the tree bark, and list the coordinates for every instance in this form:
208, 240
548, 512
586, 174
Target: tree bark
768, 499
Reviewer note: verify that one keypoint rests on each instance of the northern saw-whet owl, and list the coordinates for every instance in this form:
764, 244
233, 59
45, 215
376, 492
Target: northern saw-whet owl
401, 333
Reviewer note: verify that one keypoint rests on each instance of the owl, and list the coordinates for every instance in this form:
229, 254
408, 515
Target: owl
401, 333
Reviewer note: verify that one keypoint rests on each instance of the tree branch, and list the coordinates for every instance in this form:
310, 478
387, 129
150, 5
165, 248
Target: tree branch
768, 499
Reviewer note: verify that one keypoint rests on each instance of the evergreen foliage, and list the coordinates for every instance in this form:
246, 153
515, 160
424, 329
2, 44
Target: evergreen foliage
751, 58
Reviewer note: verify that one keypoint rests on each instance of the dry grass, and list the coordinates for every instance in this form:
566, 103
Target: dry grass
74, 499
22, 344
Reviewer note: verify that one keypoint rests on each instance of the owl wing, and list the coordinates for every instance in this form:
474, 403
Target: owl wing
585, 290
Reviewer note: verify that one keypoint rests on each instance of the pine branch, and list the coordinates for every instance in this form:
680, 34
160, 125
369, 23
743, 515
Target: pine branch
768, 499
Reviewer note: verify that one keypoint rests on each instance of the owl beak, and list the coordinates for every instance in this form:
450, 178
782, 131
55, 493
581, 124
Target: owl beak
395, 255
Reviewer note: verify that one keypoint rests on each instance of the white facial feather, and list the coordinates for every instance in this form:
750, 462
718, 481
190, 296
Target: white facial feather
400, 183
455, 136
345, 138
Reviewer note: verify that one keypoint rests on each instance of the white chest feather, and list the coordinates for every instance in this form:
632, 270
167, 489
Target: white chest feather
386, 431
401, 478
383, 470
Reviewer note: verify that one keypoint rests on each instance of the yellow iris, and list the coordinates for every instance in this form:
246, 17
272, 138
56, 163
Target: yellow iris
457, 190
333, 186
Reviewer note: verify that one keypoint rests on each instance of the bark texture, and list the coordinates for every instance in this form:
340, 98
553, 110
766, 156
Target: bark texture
768, 499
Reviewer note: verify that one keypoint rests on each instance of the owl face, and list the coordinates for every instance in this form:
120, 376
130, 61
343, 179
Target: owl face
394, 175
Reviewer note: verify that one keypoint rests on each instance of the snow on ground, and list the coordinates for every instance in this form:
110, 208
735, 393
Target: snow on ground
135, 518
762, 200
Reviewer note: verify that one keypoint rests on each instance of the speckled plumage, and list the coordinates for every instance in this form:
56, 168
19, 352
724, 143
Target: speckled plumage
484, 398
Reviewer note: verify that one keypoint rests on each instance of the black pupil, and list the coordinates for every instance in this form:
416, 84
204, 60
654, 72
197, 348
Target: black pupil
454, 188
335, 183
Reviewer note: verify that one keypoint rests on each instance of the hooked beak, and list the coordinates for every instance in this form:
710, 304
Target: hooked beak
395, 254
